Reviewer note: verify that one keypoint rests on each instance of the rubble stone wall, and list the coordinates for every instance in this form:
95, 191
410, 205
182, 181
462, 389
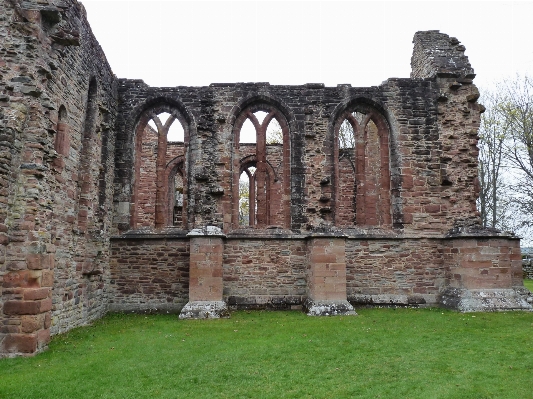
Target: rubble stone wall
398, 271
58, 103
265, 272
149, 274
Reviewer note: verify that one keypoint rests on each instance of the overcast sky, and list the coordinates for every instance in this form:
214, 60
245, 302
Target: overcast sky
174, 43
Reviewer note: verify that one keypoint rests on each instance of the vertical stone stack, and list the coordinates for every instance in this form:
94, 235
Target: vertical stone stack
326, 277
205, 275
28, 291
483, 265
483, 274
48, 55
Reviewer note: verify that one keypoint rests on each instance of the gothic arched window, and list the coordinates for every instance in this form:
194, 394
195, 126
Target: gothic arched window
161, 145
362, 170
262, 168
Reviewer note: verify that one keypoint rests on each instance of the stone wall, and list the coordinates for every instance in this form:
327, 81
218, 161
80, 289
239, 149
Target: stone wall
57, 111
527, 266
395, 271
89, 220
149, 274
265, 272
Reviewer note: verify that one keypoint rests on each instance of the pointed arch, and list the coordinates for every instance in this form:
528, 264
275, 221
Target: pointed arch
364, 198
177, 200
86, 176
272, 190
151, 206
62, 139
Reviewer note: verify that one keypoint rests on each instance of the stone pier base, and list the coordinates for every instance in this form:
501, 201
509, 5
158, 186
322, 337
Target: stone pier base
327, 278
485, 274
328, 308
204, 310
205, 283
484, 300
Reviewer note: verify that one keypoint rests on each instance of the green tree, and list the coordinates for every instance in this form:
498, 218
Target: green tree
516, 111
506, 157
274, 134
492, 137
346, 135
244, 199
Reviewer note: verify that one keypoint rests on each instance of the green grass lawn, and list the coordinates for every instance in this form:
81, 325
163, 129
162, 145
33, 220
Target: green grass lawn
382, 353
529, 284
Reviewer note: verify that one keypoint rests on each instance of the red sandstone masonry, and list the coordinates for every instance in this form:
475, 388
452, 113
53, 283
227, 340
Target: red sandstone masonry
264, 272
149, 274
404, 267
327, 269
483, 263
205, 282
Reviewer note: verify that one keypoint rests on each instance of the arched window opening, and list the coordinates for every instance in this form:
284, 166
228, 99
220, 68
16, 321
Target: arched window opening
177, 198
163, 117
87, 170
248, 133
175, 133
247, 197
346, 137
160, 183
274, 134
362, 170
260, 115
262, 159
62, 139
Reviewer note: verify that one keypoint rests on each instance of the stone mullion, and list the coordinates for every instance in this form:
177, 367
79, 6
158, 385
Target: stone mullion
336, 177
251, 198
261, 176
287, 178
360, 150
133, 207
385, 207
160, 196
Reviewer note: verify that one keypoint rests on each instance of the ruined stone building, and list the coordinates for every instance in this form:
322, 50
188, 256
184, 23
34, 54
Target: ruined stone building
359, 196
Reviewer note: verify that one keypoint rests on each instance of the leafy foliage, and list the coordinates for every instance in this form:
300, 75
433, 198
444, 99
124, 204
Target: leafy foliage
274, 134
346, 135
506, 157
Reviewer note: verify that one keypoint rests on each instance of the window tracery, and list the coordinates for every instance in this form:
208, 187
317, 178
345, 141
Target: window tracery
159, 197
362, 170
262, 174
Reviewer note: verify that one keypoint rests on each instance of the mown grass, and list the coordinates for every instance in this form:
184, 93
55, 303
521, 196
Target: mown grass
529, 284
382, 353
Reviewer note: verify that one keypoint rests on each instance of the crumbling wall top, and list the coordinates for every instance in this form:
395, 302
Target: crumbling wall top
436, 54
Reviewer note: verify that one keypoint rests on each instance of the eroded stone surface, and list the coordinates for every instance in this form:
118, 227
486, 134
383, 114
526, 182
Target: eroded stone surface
204, 310
485, 300
328, 308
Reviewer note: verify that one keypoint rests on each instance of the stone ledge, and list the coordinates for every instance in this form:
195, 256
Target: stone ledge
168, 232
211, 231
415, 300
484, 300
270, 302
147, 308
328, 308
204, 310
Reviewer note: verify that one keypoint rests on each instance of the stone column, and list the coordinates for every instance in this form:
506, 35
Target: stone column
27, 292
326, 278
484, 274
205, 275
